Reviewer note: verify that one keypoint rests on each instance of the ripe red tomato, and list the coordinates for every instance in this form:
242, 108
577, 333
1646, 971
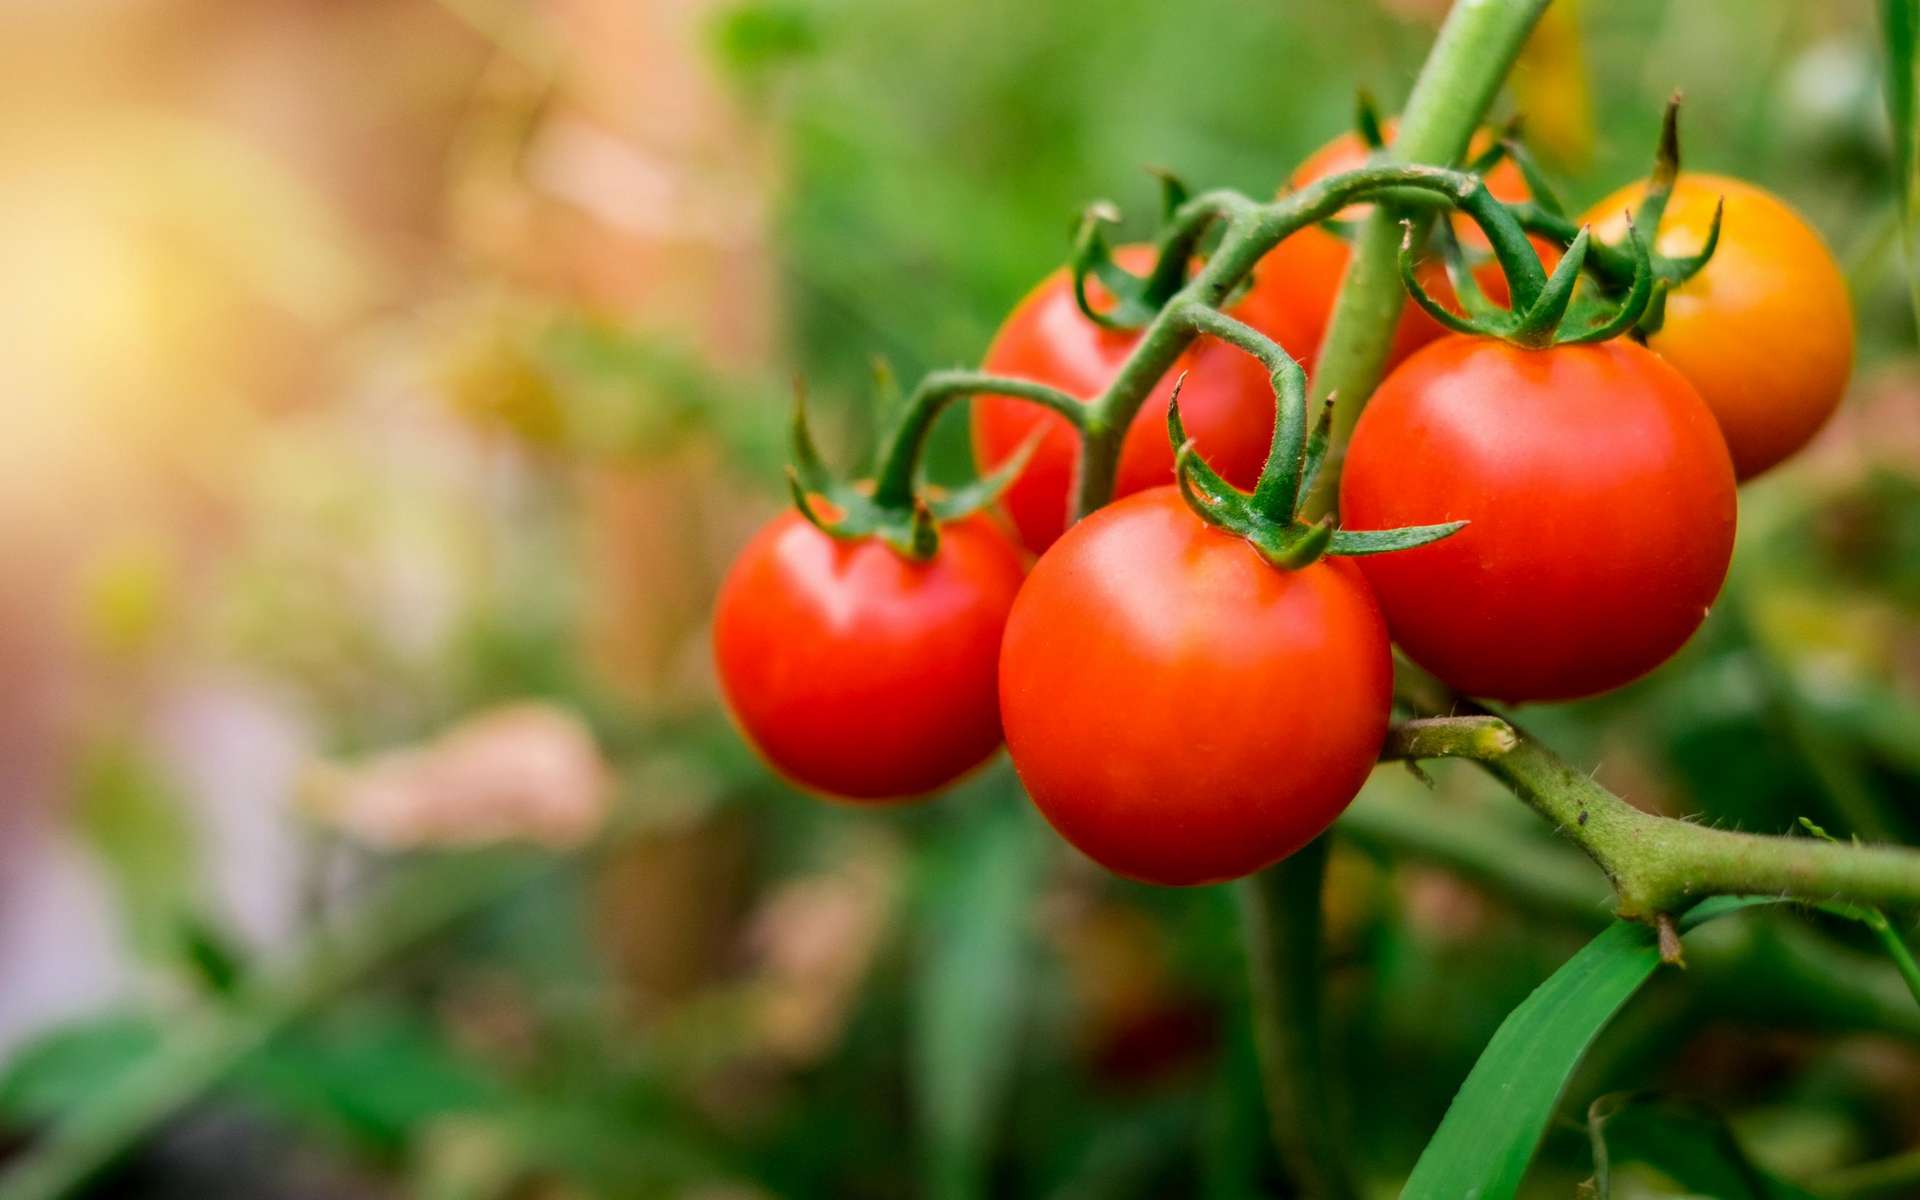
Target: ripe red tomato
1601, 508
1299, 279
1227, 402
1765, 329
1178, 708
859, 673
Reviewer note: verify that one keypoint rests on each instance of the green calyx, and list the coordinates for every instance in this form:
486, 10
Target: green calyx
1626, 283
1269, 517
1558, 312
1669, 273
1616, 267
1136, 299
896, 507
1546, 309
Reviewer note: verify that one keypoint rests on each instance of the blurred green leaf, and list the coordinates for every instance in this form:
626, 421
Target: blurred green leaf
56, 1072
1489, 1134
1234, 1145
618, 1155
130, 814
1900, 22
1887, 1177
1131, 1152
637, 392
970, 991
377, 1073
1690, 1146
752, 37
203, 1048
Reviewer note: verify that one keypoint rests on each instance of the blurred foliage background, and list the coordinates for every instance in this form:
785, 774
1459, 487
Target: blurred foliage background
388, 384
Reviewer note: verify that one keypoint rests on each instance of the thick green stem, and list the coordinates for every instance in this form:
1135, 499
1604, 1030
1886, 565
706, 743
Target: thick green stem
1462, 75
1280, 910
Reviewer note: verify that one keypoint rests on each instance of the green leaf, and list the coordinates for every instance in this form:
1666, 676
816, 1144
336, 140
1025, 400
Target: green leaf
1689, 1145
969, 1006
57, 1072
1900, 22
1487, 1138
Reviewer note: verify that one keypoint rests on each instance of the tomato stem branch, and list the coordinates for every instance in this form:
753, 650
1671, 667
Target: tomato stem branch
1448, 737
1253, 229
1781, 971
1660, 865
1277, 495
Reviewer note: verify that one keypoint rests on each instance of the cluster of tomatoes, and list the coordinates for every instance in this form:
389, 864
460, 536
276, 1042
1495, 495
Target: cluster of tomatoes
1185, 710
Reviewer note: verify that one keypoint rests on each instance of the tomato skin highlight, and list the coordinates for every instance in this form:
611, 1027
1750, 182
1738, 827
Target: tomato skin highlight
857, 673
1179, 709
1226, 402
1299, 279
1765, 330
1601, 502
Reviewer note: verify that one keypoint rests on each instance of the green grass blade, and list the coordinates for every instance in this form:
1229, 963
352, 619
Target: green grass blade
1487, 1138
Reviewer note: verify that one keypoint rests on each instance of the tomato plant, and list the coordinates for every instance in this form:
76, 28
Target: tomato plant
1193, 680
857, 671
1209, 645
1049, 339
1600, 508
1764, 330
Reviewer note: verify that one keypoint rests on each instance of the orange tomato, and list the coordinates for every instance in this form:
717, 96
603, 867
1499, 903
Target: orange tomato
1764, 332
